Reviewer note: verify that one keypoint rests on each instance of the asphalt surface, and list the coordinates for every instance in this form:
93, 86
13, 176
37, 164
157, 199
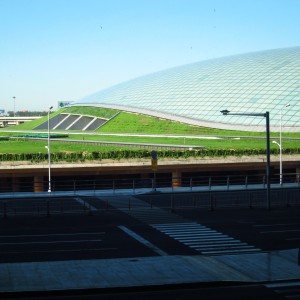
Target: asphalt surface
99, 228
107, 231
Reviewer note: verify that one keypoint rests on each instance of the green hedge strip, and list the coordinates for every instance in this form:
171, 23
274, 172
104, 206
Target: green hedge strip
138, 153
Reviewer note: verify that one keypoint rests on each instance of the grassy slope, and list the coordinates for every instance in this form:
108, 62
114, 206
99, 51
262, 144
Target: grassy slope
134, 123
89, 111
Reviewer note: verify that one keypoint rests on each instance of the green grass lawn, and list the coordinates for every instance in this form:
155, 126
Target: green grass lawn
39, 147
221, 143
126, 122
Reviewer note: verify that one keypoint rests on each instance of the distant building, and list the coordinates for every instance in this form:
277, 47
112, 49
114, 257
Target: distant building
62, 104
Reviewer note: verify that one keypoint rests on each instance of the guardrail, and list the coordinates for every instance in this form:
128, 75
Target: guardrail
140, 185
205, 193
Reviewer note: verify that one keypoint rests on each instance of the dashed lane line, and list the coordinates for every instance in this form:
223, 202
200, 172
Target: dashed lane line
59, 251
49, 242
52, 234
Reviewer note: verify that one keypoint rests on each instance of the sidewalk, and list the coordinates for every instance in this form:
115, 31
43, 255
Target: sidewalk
147, 271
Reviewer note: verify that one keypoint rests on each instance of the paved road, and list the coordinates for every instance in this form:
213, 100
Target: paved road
268, 230
67, 238
80, 229
116, 230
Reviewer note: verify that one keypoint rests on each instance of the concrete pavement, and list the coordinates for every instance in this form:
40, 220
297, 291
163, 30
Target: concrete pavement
147, 271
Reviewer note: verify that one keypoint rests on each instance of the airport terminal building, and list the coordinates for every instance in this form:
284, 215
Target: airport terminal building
196, 93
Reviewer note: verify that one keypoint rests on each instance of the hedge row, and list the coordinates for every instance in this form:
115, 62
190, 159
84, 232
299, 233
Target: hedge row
137, 153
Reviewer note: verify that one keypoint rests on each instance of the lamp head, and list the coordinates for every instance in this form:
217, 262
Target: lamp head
288, 105
225, 112
50, 107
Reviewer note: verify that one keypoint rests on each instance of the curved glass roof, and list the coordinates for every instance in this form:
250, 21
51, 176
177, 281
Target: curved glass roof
196, 93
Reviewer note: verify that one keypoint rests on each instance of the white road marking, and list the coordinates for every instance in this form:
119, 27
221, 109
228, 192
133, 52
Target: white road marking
204, 239
59, 250
208, 240
224, 246
143, 241
51, 234
216, 242
50, 242
230, 251
86, 204
195, 235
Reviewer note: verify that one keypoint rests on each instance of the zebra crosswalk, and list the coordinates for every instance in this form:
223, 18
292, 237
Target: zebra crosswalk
201, 238
205, 240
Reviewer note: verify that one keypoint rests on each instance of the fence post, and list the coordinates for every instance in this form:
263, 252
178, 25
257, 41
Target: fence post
90, 210
209, 182
227, 182
4, 210
84, 207
48, 208
114, 186
61, 206
74, 187
133, 186
287, 196
211, 202
191, 183
246, 182
264, 181
172, 203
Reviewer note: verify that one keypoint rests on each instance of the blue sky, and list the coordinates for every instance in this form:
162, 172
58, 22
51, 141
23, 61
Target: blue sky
63, 50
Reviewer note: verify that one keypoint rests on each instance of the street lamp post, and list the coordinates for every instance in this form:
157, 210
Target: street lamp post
280, 161
267, 116
280, 143
49, 152
14, 105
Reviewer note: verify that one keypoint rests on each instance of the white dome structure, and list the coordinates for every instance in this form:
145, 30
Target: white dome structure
196, 93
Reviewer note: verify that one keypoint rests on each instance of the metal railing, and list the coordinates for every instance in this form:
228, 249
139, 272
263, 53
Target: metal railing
93, 196
156, 183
